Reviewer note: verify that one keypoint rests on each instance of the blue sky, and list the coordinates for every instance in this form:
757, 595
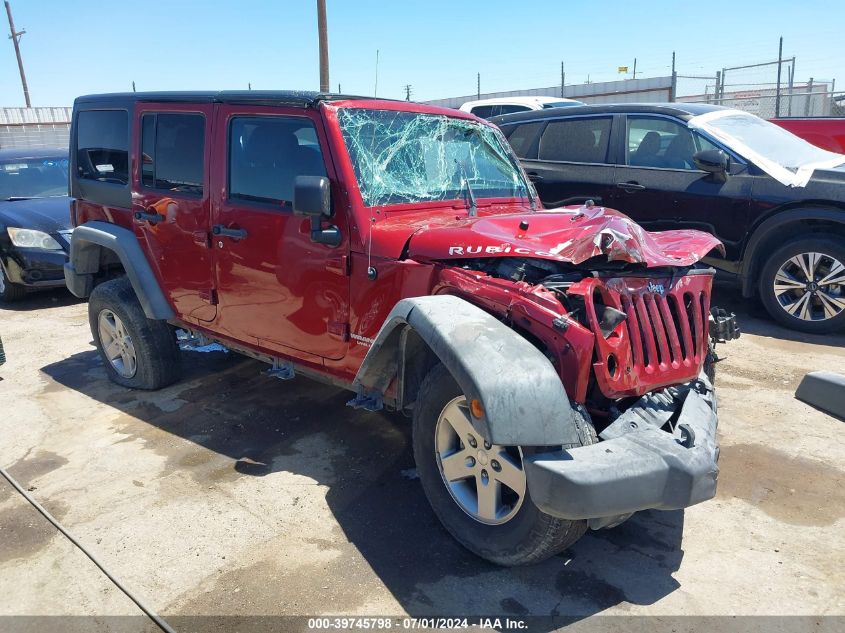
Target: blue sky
75, 47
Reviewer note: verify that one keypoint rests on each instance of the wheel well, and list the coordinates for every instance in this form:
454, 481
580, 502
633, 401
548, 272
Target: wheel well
787, 232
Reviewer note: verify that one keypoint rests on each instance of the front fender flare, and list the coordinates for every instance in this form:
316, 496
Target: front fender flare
84, 262
524, 401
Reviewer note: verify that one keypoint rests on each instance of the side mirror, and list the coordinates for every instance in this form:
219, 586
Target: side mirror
714, 162
312, 197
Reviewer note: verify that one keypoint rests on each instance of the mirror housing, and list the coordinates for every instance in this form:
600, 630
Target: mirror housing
312, 197
715, 162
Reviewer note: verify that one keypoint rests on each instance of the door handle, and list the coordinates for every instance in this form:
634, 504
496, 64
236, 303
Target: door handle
222, 231
630, 186
533, 176
147, 216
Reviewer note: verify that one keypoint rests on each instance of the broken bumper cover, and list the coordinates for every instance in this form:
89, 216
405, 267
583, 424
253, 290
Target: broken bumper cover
640, 466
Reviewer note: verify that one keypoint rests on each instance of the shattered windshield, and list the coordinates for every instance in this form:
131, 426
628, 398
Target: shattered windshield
402, 157
762, 137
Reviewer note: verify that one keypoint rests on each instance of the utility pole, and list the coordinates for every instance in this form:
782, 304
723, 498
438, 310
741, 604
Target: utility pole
478, 87
562, 79
16, 39
674, 88
407, 92
323, 35
780, 63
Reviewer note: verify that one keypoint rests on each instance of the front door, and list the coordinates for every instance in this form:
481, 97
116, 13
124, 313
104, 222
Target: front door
659, 186
170, 184
276, 288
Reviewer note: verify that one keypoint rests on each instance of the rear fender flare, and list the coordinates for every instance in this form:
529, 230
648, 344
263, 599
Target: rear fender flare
84, 262
524, 401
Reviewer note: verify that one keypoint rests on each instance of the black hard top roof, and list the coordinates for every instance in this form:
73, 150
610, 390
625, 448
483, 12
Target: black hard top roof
21, 153
681, 110
301, 98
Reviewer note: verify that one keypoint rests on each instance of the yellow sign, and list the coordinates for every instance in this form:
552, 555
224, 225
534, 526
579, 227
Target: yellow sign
623, 69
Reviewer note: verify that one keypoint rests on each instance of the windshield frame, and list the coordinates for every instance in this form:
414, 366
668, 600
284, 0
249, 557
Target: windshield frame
523, 190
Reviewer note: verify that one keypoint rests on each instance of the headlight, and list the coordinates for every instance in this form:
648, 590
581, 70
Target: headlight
27, 238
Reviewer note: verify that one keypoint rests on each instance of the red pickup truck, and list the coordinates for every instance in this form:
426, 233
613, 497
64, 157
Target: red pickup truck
825, 132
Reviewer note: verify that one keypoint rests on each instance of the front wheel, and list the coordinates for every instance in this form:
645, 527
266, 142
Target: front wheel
802, 285
10, 291
478, 490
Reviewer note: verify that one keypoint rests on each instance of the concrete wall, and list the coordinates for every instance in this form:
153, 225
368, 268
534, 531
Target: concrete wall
34, 127
653, 89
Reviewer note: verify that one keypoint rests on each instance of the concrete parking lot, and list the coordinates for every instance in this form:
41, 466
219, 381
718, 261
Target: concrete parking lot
234, 493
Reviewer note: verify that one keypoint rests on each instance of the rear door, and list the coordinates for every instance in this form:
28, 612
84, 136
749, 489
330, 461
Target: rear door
170, 202
571, 161
276, 287
659, 186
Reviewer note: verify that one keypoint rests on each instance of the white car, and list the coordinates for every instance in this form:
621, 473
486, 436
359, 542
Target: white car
487, 108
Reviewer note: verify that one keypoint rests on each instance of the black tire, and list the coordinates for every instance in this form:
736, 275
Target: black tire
807, 244
530, 536
157, 355
10, 292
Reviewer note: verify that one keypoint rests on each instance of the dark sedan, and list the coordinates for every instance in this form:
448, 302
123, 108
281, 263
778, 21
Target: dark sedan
34, 220
775, 201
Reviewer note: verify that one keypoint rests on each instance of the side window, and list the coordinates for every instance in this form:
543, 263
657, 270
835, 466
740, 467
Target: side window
102, 145
485, 111
266, 154
576, 140
172, 147
522, 137
658, 142
510, 109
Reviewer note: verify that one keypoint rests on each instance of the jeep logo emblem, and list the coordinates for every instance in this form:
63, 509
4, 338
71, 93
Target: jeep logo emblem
656, 288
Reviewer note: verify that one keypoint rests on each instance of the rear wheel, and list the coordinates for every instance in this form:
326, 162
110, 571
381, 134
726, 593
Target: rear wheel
10, 291
478, 490
137, 352
802, 285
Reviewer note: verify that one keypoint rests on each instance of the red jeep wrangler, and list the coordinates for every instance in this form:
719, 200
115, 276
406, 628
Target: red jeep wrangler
555, 364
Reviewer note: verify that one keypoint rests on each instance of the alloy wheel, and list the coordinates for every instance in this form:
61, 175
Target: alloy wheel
117, 344
811, 286
486, 480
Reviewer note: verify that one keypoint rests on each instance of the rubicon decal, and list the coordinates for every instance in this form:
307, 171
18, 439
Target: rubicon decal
497, 250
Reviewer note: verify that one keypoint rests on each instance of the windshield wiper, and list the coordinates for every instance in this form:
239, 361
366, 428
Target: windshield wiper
466, 188
17, 198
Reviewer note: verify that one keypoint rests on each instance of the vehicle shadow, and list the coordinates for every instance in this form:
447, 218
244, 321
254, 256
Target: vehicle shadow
42, 300
754, 319
226, 405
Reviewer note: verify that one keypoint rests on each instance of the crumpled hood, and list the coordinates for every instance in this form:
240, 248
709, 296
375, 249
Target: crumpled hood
568, 234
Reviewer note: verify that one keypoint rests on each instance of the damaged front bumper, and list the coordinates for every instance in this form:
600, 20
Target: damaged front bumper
639, 465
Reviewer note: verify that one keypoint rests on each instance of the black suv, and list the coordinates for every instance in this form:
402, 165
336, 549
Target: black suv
774, 200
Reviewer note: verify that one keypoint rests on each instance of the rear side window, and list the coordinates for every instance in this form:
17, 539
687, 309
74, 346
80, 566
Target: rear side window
485, 111
522, 137
102, 146
172, 147
510, 109
576, 140
266, 154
